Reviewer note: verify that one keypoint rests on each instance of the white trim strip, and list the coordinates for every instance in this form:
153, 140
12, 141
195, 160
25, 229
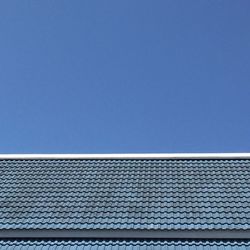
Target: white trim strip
126, 156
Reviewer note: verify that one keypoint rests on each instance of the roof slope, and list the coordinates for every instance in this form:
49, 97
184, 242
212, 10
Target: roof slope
125, 194
124, 245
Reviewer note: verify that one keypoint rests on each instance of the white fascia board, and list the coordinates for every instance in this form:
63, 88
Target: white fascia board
127, 156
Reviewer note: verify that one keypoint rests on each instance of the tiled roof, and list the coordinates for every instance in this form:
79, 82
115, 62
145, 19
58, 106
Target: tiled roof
125, 194
124, 245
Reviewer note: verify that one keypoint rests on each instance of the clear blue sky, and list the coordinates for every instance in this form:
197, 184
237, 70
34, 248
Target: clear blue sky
124, 76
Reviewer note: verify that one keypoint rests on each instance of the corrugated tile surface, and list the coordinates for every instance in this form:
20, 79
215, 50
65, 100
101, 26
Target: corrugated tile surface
125, 245
110, 194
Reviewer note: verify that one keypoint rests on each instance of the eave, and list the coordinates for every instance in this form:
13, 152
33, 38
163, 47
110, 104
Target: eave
123, 234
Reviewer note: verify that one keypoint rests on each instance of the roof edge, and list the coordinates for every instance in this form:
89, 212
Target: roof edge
125, 156
124, 234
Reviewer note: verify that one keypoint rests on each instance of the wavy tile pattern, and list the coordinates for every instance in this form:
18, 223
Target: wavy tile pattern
125, 245
125, 194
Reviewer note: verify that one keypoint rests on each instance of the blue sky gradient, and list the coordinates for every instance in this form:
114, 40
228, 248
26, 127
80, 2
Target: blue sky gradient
124, 76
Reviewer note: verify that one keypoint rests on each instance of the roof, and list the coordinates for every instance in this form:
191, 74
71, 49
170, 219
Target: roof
125, 194
125, 201
123, 245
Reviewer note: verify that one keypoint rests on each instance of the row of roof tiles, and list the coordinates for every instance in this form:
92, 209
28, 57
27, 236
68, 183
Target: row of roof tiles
123, 245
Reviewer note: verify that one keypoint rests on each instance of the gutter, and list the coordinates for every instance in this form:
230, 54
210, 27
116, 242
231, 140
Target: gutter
123, 234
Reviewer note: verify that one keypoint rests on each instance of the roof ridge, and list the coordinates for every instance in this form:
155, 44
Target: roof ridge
127, 156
